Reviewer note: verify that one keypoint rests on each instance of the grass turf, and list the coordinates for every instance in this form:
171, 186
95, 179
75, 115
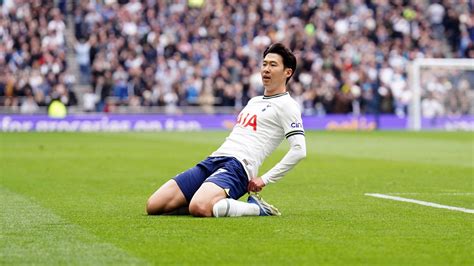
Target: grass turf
79, 199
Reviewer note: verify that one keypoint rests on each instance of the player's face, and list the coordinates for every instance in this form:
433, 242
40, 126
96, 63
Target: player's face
274, 73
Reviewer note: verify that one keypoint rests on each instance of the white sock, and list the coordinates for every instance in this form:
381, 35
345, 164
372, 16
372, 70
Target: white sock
234, 208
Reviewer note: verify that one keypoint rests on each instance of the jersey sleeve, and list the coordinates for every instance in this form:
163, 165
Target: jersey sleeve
291, 121
296, 153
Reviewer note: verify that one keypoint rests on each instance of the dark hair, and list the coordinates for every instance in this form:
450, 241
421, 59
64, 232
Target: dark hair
289, 59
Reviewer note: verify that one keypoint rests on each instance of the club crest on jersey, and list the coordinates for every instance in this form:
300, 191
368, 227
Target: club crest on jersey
268, 105
247, 120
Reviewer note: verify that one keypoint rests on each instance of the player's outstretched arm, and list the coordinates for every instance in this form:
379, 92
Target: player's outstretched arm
296, 153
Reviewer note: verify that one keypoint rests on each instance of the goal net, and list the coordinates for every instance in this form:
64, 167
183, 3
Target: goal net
442, 94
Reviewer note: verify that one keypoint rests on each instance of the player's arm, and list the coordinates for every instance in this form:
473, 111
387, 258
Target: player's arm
292, 125
296, 153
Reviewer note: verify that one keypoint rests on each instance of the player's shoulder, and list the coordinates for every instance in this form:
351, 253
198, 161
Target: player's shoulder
254, 99
287, 102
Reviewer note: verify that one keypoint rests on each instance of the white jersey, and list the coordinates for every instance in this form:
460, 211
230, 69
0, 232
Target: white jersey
261, 127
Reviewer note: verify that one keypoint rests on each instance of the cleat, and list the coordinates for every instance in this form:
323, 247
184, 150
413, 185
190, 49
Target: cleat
265, 208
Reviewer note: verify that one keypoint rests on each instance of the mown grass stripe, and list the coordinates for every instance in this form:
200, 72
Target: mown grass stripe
31, 234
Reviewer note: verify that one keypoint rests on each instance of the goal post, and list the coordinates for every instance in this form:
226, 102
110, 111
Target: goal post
433, 83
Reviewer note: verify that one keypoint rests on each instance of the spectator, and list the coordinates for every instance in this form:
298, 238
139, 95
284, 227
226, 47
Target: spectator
431, 107
89, 101
82, 49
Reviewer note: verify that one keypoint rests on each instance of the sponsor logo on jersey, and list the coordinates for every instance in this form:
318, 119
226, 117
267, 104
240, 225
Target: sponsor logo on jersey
296, 125
247, 120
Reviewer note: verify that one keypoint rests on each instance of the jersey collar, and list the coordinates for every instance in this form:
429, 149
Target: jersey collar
275, 96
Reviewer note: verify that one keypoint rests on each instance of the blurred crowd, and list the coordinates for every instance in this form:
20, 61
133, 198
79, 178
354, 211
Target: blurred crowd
352, 55
33, 67
447, 92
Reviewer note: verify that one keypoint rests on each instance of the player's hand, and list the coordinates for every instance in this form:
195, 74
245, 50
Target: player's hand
255, 185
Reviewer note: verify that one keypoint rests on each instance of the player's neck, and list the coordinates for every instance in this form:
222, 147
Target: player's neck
271, 92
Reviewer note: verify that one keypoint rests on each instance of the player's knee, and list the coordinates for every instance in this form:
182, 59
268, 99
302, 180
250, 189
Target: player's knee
153, 207
150, 208
200, 209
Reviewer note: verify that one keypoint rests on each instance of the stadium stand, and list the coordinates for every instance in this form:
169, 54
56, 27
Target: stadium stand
352, 54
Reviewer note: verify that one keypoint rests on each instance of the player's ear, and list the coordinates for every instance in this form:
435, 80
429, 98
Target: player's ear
288, 72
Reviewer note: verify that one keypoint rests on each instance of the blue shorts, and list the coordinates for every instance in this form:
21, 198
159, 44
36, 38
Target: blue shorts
226, 172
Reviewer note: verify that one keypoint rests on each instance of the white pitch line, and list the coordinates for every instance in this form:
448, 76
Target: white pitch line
424, 203
434, 193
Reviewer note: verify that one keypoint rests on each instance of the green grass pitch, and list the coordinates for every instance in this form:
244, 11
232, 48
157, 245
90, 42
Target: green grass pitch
79, 199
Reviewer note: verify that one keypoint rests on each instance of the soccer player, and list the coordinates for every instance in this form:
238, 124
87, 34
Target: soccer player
213, 186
